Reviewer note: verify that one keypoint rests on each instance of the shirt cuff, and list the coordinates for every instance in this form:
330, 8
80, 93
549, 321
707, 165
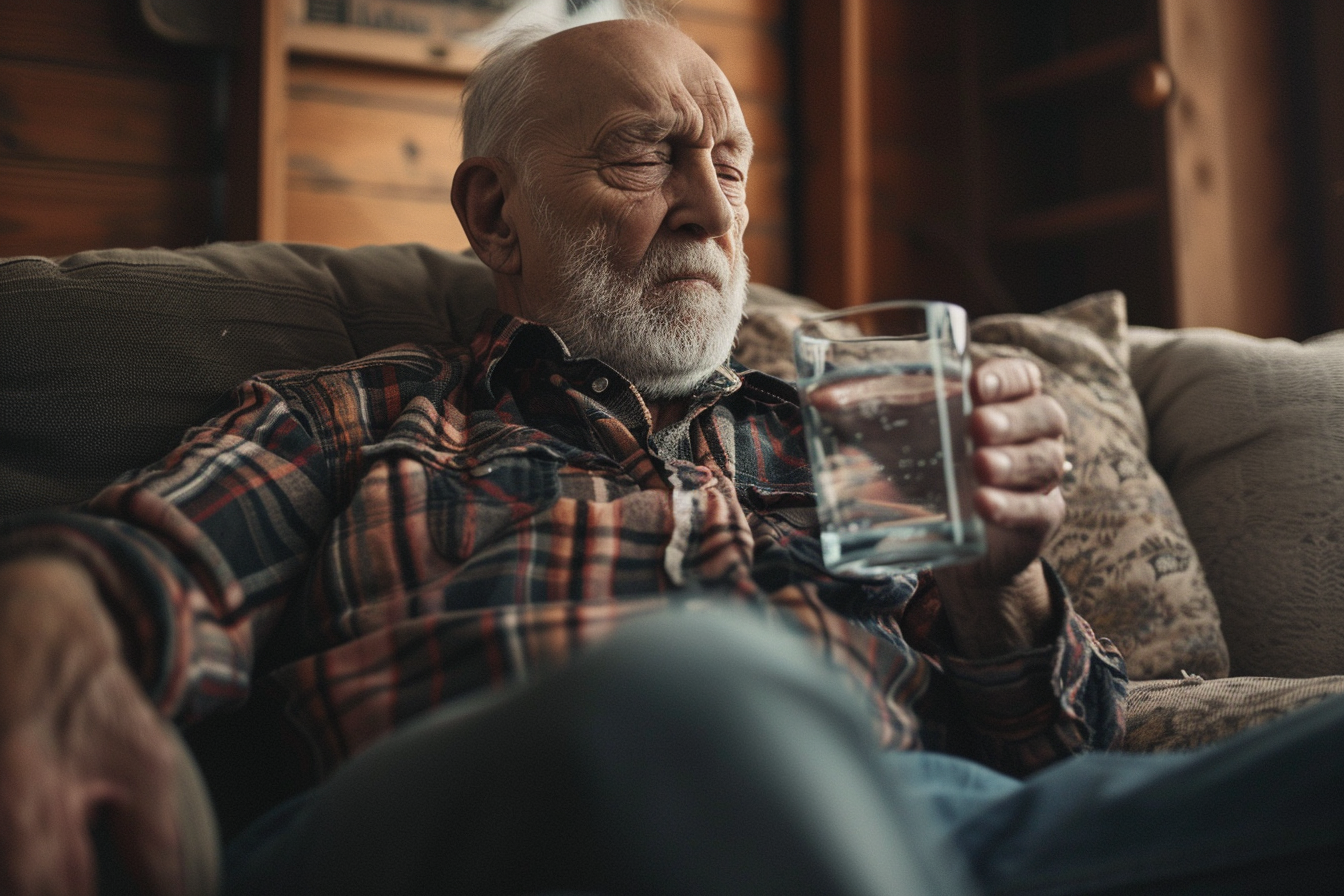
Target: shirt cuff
1013, 694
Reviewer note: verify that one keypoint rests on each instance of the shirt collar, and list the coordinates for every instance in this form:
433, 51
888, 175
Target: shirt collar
504, 343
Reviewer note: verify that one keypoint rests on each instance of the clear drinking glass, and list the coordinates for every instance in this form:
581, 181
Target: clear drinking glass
885, 402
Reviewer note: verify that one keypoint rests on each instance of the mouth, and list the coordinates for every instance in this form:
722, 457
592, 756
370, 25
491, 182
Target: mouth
695, 277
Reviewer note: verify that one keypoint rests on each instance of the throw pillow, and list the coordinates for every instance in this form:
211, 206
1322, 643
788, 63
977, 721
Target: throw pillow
1250, 435
1123, 549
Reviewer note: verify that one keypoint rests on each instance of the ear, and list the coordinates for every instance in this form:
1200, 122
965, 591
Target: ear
480, 188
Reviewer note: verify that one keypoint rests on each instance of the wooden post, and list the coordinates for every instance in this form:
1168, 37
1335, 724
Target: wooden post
274, 160
834, 155
1231, 253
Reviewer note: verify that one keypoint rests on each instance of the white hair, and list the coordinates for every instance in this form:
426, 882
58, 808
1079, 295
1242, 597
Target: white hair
495, 97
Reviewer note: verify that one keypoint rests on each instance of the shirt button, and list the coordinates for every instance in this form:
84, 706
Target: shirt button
600, 385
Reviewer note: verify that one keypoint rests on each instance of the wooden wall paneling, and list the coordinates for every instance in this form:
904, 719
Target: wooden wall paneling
101, 34
371, 156
105, 131
53, 211
833, 155
272, 122
1325, 311
60, 112
349, 218
1232, 257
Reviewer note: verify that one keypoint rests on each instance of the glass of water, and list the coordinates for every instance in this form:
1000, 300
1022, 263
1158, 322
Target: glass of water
885, 400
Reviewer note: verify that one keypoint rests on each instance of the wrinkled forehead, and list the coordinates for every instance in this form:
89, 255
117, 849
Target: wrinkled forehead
646, 81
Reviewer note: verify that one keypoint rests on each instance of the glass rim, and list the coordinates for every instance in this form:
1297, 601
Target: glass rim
886, 305
956, 315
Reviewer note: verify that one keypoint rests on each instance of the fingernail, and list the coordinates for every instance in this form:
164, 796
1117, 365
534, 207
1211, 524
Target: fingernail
991, 384
999, 462
996, 421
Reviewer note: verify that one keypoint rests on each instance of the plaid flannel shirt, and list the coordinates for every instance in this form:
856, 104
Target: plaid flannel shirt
378, 538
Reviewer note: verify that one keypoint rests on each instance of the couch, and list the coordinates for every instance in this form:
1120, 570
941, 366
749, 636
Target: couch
1205, 533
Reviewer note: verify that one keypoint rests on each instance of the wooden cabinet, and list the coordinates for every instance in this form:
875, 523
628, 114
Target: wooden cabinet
348, 136
1072, 164
1018, 154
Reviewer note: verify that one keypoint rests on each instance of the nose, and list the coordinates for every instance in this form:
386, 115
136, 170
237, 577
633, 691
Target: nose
696, 204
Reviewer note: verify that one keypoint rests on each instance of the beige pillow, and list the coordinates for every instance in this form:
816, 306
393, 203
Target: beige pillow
1123, 549
1250, 435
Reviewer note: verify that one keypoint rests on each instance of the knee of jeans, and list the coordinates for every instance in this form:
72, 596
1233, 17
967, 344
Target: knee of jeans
708, 670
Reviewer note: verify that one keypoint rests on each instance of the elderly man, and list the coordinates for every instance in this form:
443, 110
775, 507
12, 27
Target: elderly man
549, 614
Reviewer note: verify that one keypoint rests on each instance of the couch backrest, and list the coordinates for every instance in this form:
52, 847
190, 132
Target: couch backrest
110, 355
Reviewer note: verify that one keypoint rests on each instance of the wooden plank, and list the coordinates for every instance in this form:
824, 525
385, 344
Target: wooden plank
350, 218
80, 114
769, 255
55, 211
272, 122
1082, 216
105, 34
751, 56
374, 86
1063, 72
767, 192
344, 143
1228, 186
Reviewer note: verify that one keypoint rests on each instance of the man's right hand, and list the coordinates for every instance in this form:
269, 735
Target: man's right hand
79, 742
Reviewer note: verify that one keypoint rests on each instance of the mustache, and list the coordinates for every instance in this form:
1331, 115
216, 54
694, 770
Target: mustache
667, 261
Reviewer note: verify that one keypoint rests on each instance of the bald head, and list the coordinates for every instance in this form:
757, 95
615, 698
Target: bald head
605, 184
531, 80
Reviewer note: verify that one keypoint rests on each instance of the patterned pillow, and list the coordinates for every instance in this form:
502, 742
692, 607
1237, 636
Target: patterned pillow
1123, 550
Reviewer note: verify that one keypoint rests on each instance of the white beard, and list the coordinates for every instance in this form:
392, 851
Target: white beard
666, 338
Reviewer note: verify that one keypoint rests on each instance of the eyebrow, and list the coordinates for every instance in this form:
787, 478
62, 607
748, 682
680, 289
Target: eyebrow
649, 129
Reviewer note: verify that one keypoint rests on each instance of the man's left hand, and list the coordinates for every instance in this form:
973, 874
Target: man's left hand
1001, 603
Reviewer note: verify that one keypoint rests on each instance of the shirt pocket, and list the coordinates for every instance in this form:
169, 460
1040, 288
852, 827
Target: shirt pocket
481, 500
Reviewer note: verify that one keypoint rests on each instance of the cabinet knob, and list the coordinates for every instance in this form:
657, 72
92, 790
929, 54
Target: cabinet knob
1151, 85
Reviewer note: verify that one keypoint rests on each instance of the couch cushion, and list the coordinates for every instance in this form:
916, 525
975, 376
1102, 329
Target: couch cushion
1175, 715
110, 355
1249, 434
1123, 549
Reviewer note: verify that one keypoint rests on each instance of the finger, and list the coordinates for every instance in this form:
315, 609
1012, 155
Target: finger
1018, 422
1031, 514
1004, 379
1035, 467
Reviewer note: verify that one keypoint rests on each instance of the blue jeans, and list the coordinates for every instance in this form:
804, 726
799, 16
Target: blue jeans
702, 753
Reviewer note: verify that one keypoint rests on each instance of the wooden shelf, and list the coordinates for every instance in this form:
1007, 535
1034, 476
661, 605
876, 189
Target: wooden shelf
399, 33
368, 45
1084, 216
1059, 75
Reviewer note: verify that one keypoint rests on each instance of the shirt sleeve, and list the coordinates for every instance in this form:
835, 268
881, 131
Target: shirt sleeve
197, 555
1019, 712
